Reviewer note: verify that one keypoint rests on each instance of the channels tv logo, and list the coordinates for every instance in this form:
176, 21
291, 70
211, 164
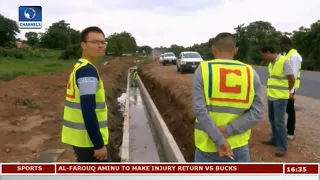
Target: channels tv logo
30, 17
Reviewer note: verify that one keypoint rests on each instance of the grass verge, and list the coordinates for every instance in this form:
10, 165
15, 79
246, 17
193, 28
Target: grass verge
11, 68
49, 63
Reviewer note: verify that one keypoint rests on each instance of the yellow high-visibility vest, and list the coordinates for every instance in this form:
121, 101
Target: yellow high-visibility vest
135, 75
297, 82
278, 85
229, 91
74, 131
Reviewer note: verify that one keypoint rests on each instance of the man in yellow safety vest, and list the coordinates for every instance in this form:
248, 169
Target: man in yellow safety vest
85, 125
295, 60
135, 78
280, 82
227, 103
137, 62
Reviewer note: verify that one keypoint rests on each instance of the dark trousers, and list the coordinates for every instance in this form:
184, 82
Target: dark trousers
135, 82
86, 154
291, 123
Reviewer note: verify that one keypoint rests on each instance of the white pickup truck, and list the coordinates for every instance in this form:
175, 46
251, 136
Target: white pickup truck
188, 61
168, 58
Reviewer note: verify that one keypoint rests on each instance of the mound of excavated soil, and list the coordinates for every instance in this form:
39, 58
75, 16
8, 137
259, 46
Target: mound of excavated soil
31, 112
172, 94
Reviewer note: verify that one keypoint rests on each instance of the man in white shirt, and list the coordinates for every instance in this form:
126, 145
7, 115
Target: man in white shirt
295, 60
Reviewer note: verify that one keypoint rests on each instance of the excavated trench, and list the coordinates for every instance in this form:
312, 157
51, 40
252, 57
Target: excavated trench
114, 75
146, 137
173, 101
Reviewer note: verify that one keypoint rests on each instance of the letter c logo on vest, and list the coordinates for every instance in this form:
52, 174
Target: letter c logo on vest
233, 85
223, 78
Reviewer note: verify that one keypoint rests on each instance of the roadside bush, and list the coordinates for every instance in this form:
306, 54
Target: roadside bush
309, 64
73, 51
20, 53
16, 53
7, 76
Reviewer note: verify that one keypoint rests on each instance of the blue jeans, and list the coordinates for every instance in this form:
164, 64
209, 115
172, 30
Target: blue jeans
241, 154
277, 110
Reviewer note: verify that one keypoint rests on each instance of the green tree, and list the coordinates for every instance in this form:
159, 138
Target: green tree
120, 43
306, 41
59, 36
252, 37
162, 49
32, 38
176, 49
146, 49
243, 43
8, 31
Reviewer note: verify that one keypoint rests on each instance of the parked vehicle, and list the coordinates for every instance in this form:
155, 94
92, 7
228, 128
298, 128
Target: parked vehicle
188, 61
169, 58
161, 58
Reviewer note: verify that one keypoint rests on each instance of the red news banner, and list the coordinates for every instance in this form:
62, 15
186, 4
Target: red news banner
251, 168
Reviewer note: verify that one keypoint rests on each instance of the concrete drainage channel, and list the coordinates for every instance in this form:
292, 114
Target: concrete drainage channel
146, 137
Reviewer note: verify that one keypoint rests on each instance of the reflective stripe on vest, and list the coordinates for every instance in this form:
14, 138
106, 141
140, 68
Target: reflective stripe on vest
74, 105
297, 82
229, 91
81, 126
221, 109
74, 131
278, 85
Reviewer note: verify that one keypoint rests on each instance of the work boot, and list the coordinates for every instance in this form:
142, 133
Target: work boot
269, 143
280, 153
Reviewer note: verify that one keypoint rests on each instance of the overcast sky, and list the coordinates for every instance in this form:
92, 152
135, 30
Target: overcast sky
166, 22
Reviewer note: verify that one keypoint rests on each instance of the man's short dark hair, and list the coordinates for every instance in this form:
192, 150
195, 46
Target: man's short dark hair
225, 41
285, 40
86, 31
268, 48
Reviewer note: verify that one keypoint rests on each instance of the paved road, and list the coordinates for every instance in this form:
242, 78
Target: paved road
309, 86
